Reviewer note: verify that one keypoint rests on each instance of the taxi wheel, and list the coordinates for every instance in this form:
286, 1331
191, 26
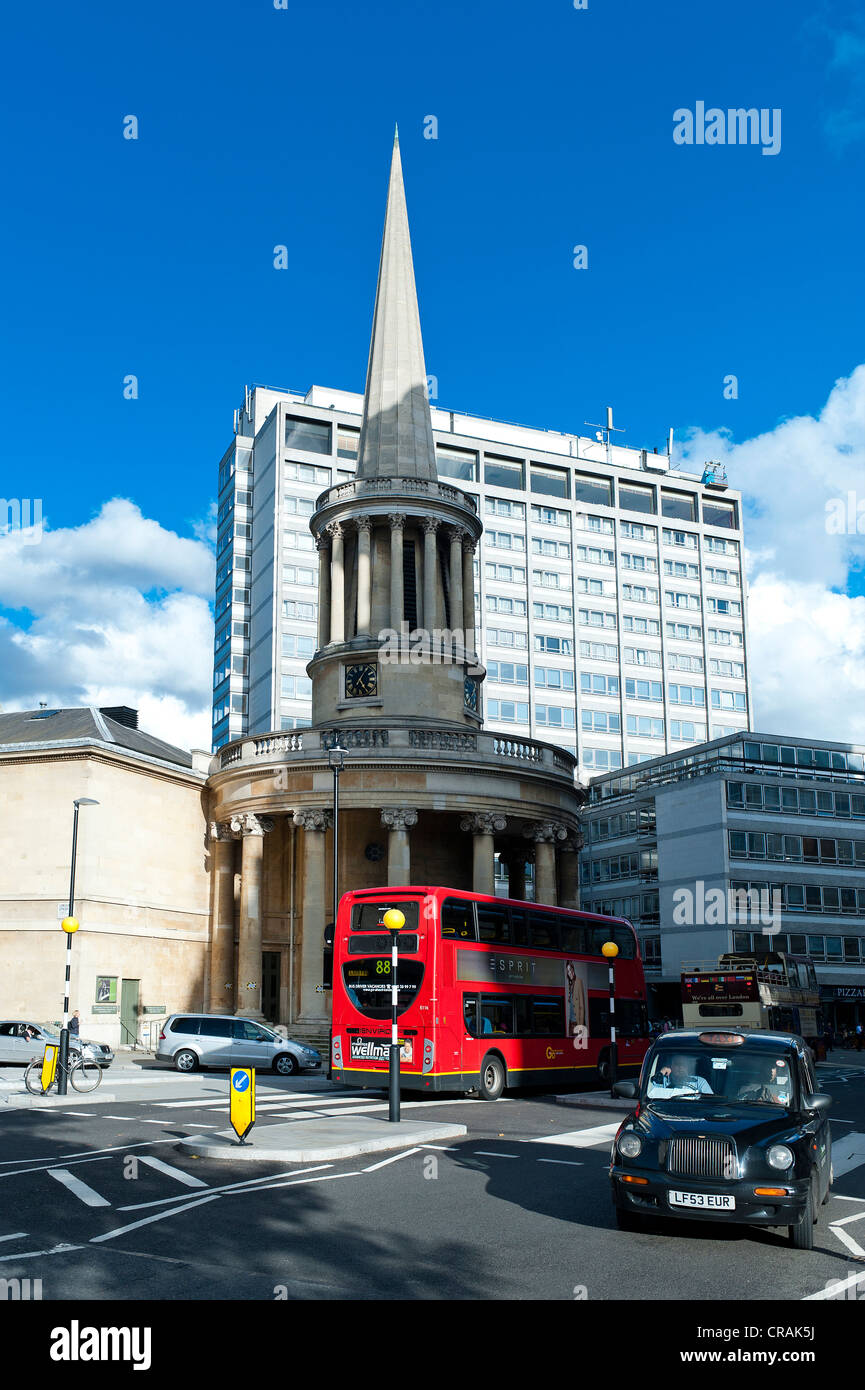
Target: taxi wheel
492, 1081
285, 1065
185, 1061
802, 1235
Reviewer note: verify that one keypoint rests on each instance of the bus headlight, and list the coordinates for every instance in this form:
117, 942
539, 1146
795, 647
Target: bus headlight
779, 1156
629, 1144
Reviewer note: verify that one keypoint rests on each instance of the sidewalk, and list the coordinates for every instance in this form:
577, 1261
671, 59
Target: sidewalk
314, 1140
845, 1057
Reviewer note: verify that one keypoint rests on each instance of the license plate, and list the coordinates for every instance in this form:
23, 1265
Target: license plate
706, 1201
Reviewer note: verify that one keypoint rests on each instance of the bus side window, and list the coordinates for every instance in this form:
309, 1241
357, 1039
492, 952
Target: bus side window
493, 924
573, 937
470, 1013
519, 926
458, 920
497, 1015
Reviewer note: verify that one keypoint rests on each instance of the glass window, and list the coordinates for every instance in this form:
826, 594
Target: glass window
551, 481
502, 472
543, 931
457, 463
216, 1027
633, 498
682, 506
347, 440
718, 513
311, 435
497, 1015
597, 492
548, 1017
493, 924
458, 920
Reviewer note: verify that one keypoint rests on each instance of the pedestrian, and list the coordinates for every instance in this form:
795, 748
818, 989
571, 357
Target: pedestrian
859, 1037
75, 1024
829, 1035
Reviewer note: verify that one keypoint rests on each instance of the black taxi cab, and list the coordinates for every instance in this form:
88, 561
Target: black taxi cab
728, 1127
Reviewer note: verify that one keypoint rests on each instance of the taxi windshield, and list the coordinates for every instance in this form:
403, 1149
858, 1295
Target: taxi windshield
718, 1073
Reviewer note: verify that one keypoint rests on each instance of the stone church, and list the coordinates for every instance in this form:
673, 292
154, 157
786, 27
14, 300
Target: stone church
426, 796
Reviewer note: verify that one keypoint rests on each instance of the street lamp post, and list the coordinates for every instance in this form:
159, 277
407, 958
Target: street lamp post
610, 950
394, 920
70, 926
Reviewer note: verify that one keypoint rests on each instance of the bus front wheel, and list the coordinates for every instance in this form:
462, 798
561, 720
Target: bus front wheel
492, 1080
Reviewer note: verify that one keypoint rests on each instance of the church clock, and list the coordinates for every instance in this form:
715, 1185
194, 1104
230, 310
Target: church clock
361, 681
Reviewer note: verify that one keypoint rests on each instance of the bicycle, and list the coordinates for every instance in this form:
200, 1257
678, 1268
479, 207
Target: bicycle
84, 1074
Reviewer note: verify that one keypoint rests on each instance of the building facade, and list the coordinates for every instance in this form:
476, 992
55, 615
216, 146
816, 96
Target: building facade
608, 587
743, 843
141, 888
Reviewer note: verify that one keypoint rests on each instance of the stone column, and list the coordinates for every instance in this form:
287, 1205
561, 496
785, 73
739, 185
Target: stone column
569, 871
455, 574
398, 820
397, 602
252, 830
483, 826
430, 573
364, 574
322, 545
469, 592
221, 919
337, 582
314, 824
546, 835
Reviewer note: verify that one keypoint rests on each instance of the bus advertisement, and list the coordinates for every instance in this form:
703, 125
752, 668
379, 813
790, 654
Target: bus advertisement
491, 993
772, 991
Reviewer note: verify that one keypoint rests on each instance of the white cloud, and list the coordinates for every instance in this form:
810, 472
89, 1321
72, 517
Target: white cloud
119, 613
807, 643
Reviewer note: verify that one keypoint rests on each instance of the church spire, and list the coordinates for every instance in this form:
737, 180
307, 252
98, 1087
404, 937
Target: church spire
396, 437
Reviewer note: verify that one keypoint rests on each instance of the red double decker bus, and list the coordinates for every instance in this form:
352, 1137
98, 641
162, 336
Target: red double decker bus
491, 993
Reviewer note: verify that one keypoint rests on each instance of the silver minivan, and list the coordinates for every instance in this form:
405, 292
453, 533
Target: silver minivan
190, 1041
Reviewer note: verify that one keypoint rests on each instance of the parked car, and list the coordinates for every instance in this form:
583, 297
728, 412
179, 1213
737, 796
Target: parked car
190, 1041
20, 1040
729, 1127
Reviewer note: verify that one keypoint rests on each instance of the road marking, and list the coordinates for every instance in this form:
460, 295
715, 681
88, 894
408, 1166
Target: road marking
79, 1114
177, 1173
79, 1189
393, 1159
852, 1245
86, 1156
116, 1117
848, 1220
443, 1148
36, 1254
848, 1153
16, 1235
228, 1187
568, 1162
835, 1289
839, 1197
580, 1138
488, 1153
146, 1220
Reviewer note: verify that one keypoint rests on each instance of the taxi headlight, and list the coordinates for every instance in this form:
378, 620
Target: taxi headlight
779, 1156
629, 1145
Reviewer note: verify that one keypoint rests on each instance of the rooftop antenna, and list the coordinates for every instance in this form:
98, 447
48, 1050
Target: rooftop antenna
670, 445
604, 432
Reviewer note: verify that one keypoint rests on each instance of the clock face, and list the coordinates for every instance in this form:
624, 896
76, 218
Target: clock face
361, 680
471, 693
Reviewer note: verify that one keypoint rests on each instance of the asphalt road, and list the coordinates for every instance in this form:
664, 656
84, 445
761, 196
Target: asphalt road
97, 1203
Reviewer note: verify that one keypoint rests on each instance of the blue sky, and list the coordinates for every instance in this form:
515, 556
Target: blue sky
260, 126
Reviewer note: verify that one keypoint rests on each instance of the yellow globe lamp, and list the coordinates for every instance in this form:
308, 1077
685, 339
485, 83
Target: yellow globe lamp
610, 950
70, 925
393, 919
